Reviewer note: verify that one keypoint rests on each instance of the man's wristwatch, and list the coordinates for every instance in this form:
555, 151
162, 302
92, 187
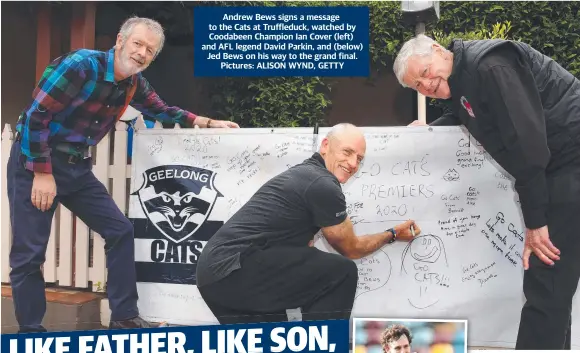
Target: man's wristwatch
392, 240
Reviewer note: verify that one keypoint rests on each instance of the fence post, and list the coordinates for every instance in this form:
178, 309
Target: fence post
98, 272
6, 229
118, 169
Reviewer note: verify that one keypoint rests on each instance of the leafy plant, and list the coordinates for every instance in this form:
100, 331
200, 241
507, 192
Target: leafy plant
272, 101
497, 31
100, 287
550, 27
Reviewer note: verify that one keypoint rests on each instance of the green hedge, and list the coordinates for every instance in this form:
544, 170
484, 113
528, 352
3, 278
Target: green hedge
271, 101
550, 27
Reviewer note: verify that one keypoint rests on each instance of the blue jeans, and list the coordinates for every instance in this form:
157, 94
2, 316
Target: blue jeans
85, 196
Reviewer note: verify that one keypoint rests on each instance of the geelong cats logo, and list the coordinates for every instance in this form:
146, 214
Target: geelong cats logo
177, 199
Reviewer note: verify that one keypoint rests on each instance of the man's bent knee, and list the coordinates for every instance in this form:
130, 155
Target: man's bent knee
122, 228
349, 269
347, 265
127, 227
352, 269
121, 232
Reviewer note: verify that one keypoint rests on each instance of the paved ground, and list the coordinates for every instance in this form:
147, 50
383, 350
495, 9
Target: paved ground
66, 310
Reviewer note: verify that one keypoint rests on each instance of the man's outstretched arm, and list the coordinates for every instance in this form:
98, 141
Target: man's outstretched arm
147, 101
343, 239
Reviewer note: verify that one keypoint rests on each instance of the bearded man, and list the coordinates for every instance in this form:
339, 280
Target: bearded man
76, 103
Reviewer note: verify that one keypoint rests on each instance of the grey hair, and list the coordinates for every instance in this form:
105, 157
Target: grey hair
421, 45
339, 128
153, 25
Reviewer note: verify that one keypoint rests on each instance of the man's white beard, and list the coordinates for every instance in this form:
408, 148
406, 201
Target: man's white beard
128, 65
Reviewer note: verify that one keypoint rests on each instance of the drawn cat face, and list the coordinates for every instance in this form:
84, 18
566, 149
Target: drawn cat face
451, 175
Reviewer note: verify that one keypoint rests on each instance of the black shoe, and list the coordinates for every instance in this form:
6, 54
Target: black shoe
28, 329
136, 322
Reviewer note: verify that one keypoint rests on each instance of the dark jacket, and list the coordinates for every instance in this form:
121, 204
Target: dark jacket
523, 108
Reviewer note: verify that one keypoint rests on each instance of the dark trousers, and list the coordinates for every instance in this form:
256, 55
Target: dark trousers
546, 316
274, 279
86, 197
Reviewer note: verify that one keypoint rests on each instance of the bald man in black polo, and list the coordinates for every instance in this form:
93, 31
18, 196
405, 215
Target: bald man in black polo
261, 262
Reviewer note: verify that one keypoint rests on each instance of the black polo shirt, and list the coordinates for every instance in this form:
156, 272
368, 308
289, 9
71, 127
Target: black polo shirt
288, 210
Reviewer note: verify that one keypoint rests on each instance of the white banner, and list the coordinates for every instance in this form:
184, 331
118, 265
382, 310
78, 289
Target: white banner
466, 264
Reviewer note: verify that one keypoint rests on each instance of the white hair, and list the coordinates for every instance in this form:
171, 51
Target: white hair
153, 25
340, 128
421, 45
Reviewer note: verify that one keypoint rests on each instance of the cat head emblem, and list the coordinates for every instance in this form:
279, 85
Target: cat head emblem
177, 199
